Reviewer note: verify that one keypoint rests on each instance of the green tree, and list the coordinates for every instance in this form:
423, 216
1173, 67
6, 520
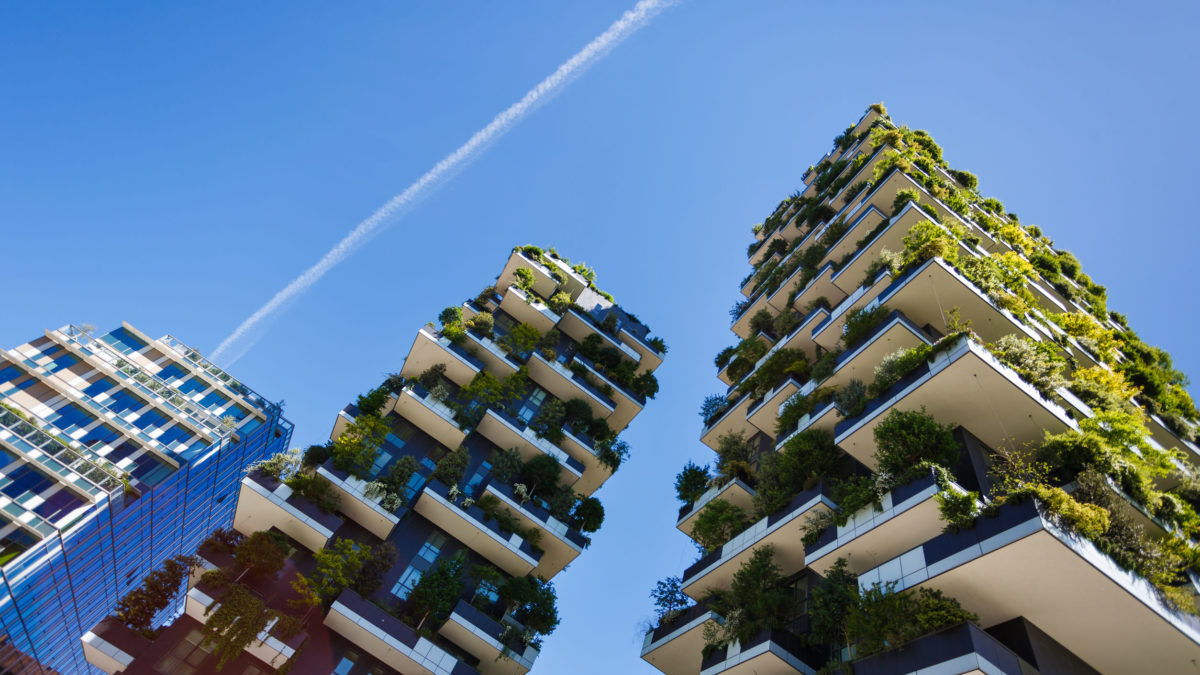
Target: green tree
433, 598
548, 423
139, 607
907, 438
669, 599
540, 474
522, 339
691, 482
260, 555
805, 459
758, 599
355, 450
371, 402
377, 563
338, 565
588, 515
533, 602
451, 468
717, 523
829, 604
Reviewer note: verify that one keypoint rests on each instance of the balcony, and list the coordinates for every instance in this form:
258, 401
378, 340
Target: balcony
966, 386
894, 333
1018, 563
651, 358
480, 636
850, 276
566, 385
909, 513
735, 492
578, 326
507, 431
741, 325
965, 649
582, 448
544, 283
782, 529
765, 413
775, 652
268, 648
389, 639
430, 348
560, 543
733, 420
628, 403
498, 362
508, 551
676, 645
433, 417
526, 309
825, 417
264, 503
356, 505
820, 286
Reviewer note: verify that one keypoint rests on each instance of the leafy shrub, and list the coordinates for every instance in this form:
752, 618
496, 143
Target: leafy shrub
560, 302
717, 523
451, 467
522, 340
883, 618
451, 316
805, 459
354, 451
903, 197
861, 322
370, 402
548, 423
432, 376
712, 407
958, 509
316, 490
316, 455
1037, 362
588, 515
851, 399
965, 178
761, 322
926, 240
482, 323
691, 482
905, 439
523, 279
758, 599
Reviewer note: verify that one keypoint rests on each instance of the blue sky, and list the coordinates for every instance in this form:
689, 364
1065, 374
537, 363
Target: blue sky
174, 165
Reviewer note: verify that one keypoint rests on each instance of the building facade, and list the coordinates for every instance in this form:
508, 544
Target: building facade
938, 450
448, 498
118, 452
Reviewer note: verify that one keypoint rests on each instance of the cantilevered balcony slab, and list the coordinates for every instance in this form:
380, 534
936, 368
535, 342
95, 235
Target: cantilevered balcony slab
783, 529
578, 326
1164, 436
628, 403
429, 349
498, 362
544, 283
824, 417
566, 385
356, 505
264, 502
741, 325
1018, 563
966, 386
582, 448
765, 414
820, 286
732, 421
774, 652
651, 359
416, 405
509, 432
965, 649
735, 492
767, 341
389, 639
480, 636
912, 293
676, 645
508, 551
560, 543
871, 537
528, 309
891, 238
859, 361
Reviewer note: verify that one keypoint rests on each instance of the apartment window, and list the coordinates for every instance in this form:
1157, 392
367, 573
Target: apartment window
10, 373
171, 372
532, 404
480, 473
344, 665
432, 547
487, 592
70, 418
381, 460
406, 583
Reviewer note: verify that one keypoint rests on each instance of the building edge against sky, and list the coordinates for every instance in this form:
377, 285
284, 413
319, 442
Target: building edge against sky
444, 502
939, 451
118, 452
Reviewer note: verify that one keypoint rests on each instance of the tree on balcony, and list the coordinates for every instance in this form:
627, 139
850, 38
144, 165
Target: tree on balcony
358, 446
433, 598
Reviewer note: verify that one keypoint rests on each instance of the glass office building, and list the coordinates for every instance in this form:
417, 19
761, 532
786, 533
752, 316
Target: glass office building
116, 452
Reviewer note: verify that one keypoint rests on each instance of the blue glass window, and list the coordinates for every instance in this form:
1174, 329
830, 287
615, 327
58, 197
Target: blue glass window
23, 481
102, 434
193, 385
124, 341
63, 361
174, 436
214, 400
99, 386
10, 373
171, 372
70, 418
150, 418
123, 400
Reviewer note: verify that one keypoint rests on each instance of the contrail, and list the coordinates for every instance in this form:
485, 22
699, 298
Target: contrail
625, 26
